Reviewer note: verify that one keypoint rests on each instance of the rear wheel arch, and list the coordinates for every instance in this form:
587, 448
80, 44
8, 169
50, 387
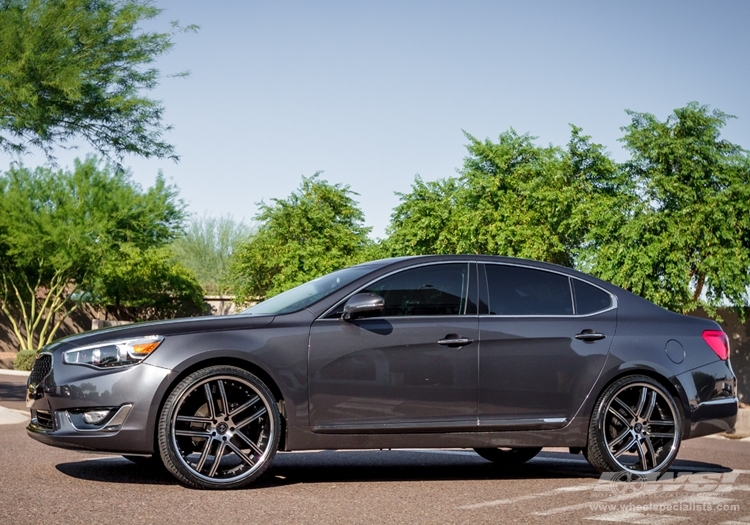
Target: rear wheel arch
620, 419
674, 389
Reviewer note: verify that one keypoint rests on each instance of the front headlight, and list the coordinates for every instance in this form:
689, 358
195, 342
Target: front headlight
113, 353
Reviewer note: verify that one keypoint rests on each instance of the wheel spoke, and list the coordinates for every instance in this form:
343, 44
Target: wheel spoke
240, 454
217, 459
662, 435
252, 418
662, 423
204, 455
651, 451
625, 406
650, 408
194, 419
192, 433
257, 451
642, 455
619, 416
641, 402
224, 406
626, 447
244, 406
209, 401
619, 438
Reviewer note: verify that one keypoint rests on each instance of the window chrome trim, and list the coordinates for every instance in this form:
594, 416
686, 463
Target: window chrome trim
332, 309
612, 296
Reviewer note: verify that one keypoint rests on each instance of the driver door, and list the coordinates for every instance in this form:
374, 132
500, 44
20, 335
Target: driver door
398, 372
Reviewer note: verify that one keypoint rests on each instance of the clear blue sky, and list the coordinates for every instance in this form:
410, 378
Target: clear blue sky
374, 92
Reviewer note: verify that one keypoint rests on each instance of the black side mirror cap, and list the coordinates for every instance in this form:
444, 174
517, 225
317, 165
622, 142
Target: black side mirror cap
362, 305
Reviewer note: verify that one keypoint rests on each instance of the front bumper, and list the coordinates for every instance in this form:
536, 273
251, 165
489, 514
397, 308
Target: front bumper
129, 397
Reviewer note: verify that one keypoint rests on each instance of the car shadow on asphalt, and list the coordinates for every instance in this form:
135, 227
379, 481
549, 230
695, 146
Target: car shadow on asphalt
117, 469
371, 466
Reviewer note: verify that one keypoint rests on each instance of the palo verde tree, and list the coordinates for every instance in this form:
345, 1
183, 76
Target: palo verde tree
59, 228
681, 236
78, 69
314, 231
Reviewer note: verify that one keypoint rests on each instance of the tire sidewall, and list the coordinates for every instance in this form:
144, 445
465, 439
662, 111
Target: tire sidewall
169, 456
598, 454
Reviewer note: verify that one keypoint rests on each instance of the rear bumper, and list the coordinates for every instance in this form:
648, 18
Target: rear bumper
712, 403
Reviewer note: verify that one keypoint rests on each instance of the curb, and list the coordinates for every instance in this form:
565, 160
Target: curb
9, 416
742, 426
14, 372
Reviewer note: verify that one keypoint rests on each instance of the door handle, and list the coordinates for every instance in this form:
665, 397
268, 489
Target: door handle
589, 336
455, 342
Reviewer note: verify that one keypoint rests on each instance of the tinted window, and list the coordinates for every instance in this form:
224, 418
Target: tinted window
523, 291
438, 289
590, 299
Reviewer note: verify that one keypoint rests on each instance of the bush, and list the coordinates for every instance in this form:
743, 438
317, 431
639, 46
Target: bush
24, 360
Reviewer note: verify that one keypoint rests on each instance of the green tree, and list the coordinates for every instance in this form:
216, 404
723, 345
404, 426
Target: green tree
149, 281
59, 228
512, 198
316, 230
78, 69
681, 236
206, 247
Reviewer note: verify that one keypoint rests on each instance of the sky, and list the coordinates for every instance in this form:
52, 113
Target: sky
372, 93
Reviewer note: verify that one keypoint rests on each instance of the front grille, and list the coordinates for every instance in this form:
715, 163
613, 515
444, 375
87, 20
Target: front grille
43, 419
41, 369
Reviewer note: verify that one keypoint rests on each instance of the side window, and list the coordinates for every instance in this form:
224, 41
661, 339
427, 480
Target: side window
590, 299
437, 289
524, 291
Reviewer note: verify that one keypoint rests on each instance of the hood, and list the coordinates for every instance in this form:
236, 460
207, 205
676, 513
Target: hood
170, 327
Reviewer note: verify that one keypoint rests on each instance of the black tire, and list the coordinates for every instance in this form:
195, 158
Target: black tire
508, 457
635, 428
219, 428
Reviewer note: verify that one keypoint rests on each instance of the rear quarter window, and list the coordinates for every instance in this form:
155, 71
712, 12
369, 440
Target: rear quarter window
590, 299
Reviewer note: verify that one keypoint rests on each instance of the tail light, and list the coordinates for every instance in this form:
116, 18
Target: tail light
718, 341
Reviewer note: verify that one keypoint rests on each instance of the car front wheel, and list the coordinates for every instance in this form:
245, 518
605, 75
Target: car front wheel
219, 428
635, 428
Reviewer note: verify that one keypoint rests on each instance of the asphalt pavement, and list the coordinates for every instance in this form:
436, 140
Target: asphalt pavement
708, 483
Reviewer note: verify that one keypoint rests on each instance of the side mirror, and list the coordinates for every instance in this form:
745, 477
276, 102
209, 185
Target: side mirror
362, 305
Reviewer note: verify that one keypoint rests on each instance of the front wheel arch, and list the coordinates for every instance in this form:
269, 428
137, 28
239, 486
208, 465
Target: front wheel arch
219, 361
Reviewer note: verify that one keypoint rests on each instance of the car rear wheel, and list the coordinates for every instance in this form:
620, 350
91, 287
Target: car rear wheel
219, 428
635, 428
508, 457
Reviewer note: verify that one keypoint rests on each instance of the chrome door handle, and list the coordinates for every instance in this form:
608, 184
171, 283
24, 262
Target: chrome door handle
589, 336
456, 342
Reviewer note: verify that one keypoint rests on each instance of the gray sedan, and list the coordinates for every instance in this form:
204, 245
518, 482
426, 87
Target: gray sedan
501, 355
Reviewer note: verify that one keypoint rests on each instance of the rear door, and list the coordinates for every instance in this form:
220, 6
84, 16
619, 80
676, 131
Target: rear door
544, 340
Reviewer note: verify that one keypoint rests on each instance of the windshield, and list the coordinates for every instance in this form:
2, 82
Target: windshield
306, 294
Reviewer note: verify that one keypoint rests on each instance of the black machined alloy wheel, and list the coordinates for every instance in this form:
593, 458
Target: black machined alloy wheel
508, 457
219, 428
636, 428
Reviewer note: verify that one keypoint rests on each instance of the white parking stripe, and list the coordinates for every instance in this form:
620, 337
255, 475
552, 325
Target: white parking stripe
511, 501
